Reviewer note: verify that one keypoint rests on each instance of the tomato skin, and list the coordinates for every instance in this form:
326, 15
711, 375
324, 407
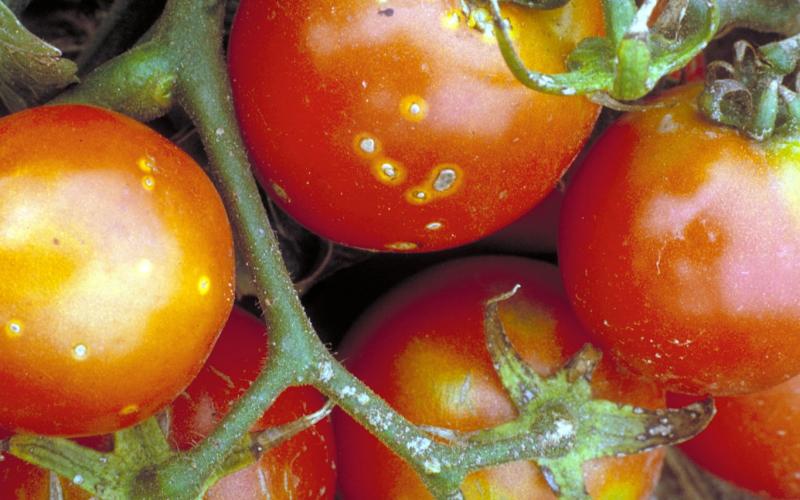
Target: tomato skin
117, 264
302, 467
680, 250
351, 114
422, 348
754, 441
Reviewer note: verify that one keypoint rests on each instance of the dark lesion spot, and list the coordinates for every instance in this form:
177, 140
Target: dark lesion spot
56, 241
389, 12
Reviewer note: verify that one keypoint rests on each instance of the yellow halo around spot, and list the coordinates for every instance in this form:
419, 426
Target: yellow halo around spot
148, 182
80, 352
388, 171
146, 164
451, 19
443, 180
13, 328
418, 196
129, 410
413, 108
203, 285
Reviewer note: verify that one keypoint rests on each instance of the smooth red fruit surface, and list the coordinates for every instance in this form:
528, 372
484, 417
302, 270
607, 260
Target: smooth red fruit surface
422, 347
117, 265
754, 441
398, 127
302, 467
679, 246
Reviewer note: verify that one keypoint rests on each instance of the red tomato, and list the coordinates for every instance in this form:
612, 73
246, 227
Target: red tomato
302, 467
680, 250
399, 127
117, 265
754, 441
422, 348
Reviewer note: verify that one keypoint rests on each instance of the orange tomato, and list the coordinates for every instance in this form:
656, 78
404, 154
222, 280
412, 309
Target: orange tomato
117, 264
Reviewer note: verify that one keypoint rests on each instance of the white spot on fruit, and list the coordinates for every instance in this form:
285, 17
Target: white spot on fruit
80, 352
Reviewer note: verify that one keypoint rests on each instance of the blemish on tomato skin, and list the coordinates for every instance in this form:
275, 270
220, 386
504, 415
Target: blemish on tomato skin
80, 352
203, 285
146, 164
280, 192
445, 180
388, 171
129, 410
148, 182
413, 108
14, 329
401, 246
366, 145
667, 125
417, 196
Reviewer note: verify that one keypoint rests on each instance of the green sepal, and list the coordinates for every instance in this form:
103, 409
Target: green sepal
618, 16
633, 67
31, 70
569, 426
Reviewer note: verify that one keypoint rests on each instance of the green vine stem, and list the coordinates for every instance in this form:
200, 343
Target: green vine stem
180, 61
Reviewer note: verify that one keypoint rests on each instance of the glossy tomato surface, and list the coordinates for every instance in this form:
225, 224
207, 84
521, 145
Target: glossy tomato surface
302, 467
117, 265
422, 348
398, 126
680, 250
754, 441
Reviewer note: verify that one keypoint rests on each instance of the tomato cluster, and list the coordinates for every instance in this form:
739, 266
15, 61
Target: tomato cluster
396, 127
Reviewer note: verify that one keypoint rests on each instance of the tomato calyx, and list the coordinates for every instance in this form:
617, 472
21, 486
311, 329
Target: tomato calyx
750, 94
631, 59
130, 470
568, 426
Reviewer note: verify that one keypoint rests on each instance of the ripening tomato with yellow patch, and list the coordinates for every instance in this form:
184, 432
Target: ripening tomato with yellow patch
679, 245
398, 126
422, 347
117, 264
